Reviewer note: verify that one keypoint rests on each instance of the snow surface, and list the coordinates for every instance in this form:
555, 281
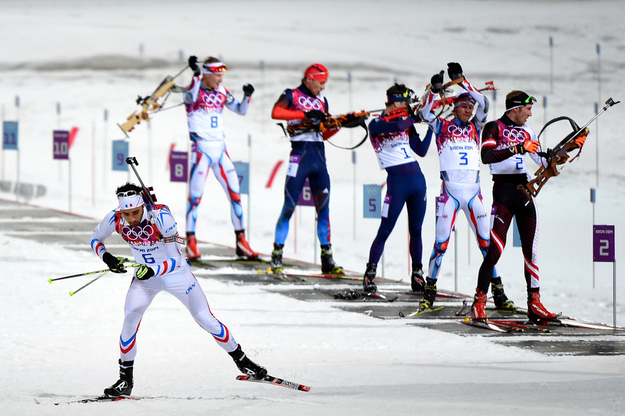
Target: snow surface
96, 56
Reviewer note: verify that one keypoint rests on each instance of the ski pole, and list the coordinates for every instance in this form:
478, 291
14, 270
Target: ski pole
123, 259
72, 293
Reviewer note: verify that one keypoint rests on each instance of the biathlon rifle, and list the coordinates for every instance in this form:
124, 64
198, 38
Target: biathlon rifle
560, 153
150, 104
349, 120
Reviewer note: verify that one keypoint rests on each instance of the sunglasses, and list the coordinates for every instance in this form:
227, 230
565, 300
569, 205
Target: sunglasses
125, 194
530, 100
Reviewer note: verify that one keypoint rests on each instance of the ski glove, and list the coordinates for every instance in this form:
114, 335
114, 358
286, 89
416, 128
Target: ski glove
248, 89
454, 70
194, 66
316, 115
530, 146
144, 272
436, 83
116, 265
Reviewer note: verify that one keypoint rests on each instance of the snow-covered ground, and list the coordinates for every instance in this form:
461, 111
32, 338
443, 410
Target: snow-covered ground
92, 57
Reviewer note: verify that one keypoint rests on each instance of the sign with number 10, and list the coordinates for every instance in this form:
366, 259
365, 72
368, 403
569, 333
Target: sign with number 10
60, 144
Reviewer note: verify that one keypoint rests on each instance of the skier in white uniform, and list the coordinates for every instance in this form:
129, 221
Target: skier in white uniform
205, 101
458, 144
151, 233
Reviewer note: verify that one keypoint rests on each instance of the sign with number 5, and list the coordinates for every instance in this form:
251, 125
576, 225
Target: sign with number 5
372, 201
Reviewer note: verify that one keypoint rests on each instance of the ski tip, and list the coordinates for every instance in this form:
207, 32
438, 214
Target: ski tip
305, 388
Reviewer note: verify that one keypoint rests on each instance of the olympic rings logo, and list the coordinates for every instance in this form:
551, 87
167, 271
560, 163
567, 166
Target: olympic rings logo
515, 135
141, 233
459, 131
216, 100
309, 103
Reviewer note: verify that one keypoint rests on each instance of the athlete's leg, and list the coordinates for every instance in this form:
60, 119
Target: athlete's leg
227, 176
416, 205
320, 189
393, 204
292, 188
446, 211
185, 287
500, 219
200, 164
478, 220
527, 221
139, 296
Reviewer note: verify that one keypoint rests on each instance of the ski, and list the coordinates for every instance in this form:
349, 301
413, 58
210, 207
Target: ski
559, 322
486, 325
103, 399
420, 311
275, 381
521, 325
359, 295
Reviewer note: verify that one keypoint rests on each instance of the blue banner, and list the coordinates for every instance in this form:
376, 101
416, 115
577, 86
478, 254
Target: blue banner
9, 135
120, 153
243, 172
372, 201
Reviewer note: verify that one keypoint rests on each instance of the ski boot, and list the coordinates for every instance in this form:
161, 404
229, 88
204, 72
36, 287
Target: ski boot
368, 280
479, 304
243, 247
417, 282
536, 312
328, 266
501, 300
429, 294
123, 386
276, 258
247, 366
192, 251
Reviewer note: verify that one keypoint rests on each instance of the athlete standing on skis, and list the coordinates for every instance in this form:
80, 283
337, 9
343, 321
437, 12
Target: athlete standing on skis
151, 233
458, 144
392, 136
205, 101
505, 143
307, 160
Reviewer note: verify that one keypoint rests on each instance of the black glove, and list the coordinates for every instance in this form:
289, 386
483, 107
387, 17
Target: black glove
316, 115
115, 264
352, 121
248, 89
414, 114
454, 70
436, 83
194, 66
144, 272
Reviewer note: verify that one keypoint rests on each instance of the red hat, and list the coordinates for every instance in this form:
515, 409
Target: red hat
317, 72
